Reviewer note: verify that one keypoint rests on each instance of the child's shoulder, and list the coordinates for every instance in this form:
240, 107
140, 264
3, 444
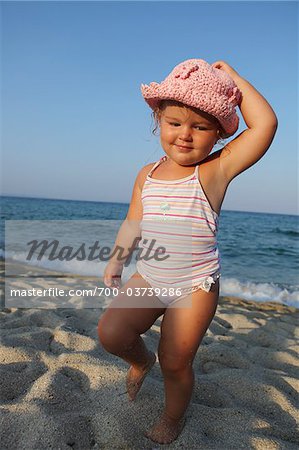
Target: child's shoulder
143, 172
210, 165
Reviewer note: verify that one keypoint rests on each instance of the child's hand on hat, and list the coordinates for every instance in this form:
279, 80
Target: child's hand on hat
222, 65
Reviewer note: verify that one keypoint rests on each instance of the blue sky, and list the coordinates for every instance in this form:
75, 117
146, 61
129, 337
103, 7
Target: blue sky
74, 124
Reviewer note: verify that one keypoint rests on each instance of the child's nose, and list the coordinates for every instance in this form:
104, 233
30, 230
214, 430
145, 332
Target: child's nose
185, 133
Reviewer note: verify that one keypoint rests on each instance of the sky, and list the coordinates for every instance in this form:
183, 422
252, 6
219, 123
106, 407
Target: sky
74, 123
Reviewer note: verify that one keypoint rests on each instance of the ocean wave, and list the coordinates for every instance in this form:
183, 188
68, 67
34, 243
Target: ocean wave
91, 268
260, 292
291, 233
73, 267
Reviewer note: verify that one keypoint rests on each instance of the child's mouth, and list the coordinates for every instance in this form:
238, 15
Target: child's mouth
184, 148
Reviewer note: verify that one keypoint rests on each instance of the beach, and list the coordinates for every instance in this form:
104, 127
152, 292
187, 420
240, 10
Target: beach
172, 152
60, 389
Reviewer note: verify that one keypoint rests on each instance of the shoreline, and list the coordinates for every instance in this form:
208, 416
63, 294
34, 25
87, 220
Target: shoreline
39, 273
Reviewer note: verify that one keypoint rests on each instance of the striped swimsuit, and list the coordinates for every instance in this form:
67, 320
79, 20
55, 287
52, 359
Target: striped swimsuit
178, 219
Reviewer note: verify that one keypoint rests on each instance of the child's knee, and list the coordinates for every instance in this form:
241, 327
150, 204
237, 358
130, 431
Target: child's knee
107, 333
174, 365
112, 335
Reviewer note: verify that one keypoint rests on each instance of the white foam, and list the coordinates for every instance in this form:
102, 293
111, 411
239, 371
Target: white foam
260, 292
91, 268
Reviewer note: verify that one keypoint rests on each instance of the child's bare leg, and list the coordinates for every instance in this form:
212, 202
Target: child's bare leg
120, 328
177, 349
136, 376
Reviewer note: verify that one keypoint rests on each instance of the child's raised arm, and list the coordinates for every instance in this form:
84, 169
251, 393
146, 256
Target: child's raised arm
250, 145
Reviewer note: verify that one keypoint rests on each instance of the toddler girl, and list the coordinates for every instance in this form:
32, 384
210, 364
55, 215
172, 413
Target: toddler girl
175, 208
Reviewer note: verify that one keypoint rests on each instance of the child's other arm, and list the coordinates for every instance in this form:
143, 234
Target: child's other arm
249, 146
128, 235
130, 232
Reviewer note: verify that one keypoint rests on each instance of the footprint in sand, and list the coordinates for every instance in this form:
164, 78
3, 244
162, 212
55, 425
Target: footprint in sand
65, 389
17, 378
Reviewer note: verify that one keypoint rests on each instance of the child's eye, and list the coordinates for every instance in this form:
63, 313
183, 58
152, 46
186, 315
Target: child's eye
177, 124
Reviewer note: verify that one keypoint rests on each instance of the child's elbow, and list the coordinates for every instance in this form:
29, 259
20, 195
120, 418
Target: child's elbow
274, 123
275, 126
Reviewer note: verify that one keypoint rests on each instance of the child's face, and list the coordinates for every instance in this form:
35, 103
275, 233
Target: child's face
187, 137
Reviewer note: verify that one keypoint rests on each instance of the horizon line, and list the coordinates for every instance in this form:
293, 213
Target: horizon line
128, 203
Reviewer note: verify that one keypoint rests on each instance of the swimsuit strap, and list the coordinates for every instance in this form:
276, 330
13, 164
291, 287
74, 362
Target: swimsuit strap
162, 159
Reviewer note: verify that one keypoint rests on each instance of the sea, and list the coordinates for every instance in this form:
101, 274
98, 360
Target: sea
259, 251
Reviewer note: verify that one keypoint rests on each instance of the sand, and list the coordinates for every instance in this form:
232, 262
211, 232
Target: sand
60, 389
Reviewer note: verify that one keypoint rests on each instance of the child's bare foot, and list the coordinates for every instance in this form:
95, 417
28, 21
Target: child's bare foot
135, 377
166, 429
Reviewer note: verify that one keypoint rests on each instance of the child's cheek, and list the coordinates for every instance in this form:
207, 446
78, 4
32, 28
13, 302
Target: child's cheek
168, 133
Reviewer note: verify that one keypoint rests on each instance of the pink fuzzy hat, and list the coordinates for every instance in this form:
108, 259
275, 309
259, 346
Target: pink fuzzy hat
196, 83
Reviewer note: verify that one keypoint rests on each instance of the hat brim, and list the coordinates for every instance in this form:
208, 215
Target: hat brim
154, 93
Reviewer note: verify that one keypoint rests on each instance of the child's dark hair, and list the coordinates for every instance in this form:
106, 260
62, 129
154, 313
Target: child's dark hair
156, 115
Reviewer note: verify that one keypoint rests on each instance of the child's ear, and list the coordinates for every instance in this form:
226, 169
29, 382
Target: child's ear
221, 136
218, 136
